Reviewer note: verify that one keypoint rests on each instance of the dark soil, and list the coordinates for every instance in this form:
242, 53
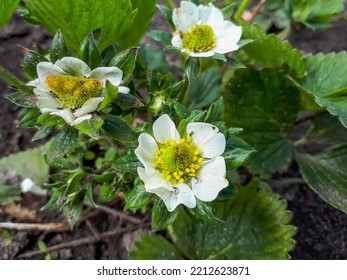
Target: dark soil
321, 229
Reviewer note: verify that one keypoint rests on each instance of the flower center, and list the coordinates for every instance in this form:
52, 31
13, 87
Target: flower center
178, 162
200, 39
74, 91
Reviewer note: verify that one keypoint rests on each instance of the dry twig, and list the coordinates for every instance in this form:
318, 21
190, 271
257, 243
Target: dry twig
79, 242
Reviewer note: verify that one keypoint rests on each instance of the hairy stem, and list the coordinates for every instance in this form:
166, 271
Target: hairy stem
242, 8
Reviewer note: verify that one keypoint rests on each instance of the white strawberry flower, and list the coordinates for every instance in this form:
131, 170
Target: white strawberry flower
70, 89
180, 169
201, 31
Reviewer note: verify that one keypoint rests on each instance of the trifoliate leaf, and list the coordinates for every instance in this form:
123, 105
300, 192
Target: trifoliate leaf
154, 247
270, 51
7, 9
142, 20
77, 18
326, 175
265, 105
326, 80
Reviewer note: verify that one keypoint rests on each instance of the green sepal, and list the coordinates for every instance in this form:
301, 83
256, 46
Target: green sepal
128, 162
161, 36
137, 197
125, 61
30, 62
30, 118
22, 99
91, 127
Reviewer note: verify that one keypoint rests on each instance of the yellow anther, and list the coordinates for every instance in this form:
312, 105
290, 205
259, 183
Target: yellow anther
192, 170
197, 151
200, 160
181, 180
189, 139
180, 172
192, 174
187, 170
162, 150
197, 166
195, 158
157, 151
183, 140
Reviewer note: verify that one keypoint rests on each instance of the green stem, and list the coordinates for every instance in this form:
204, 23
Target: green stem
169, 4
9, 78
183, 96
242, 8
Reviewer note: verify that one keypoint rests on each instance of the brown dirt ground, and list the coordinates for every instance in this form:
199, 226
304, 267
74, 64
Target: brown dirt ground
322, 230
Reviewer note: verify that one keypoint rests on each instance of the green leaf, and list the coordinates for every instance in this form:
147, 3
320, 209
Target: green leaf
192, 69
181, 111
118, 129
75, 209
9, 193
161, 36
202, 212
238, 155
205, 89
58, 48
143, 18
154, 247
77, 18
314, 13
127, 101
63, 144
91, 127
195, 116
106, 193
161, 217
7, 9
22, 99
326, 175
30, 62
50, 120
168, 15
30, 118
128, 162
255, 227
42, 132
153, 58
17, 165
265, 105
328, 130
137, 197
270, 51
125, 61
228, 10
216, 111
110, 94
89, 51
322, 82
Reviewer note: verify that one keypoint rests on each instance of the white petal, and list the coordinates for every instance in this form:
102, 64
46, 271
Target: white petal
66, 115
214, 16
186, 16
207, 138
210, 180
74, 66
26, 185
145, 152
182, 194
201, 54
227, 38
165, 130
46, 102
89, 106
176, 41
37, 84
45, 69
112, 74
153, 180
82, 119
124, 90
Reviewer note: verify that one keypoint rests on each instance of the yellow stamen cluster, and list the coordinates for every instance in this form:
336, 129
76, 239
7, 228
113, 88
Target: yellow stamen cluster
200, 38
74, 91
178, 162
